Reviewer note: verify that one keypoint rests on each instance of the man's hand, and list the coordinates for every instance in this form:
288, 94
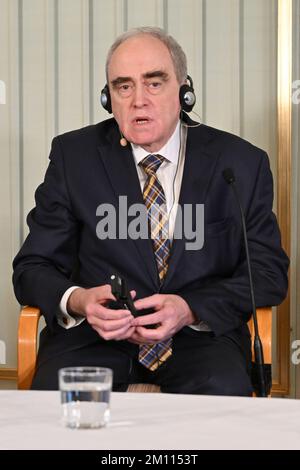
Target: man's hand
171, 314
110, 324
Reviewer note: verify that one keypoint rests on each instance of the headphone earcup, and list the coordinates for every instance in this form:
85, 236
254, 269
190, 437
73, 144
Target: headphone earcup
187, 98
105, 99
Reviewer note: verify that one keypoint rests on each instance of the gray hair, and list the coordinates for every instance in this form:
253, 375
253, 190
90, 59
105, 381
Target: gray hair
177, 54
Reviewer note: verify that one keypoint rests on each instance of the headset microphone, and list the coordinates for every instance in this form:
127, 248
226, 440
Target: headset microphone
123, 141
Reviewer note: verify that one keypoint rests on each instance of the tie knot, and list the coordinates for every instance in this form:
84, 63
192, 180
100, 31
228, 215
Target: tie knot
151, 163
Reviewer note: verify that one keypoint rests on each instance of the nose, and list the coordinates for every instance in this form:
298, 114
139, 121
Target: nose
139, 96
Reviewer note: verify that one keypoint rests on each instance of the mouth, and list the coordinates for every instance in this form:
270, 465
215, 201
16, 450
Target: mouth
141, 120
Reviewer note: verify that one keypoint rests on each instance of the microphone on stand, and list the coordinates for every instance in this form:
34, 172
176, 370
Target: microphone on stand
258, 349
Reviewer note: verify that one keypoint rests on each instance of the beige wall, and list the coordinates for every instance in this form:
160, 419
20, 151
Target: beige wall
52, 62
295, 219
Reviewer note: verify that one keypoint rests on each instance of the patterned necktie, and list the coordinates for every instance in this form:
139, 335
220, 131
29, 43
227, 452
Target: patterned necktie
153, 355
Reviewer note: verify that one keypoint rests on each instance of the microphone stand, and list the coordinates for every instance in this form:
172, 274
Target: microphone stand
258, 349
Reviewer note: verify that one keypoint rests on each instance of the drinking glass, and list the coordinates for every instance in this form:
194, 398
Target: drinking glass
85, 396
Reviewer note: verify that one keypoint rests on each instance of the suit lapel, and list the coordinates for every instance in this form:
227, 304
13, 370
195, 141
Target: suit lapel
122, 174
200, 162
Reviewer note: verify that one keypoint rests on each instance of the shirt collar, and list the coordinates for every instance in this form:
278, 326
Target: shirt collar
170, 150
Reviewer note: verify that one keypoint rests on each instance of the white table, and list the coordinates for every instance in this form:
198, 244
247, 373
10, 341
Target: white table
31, 420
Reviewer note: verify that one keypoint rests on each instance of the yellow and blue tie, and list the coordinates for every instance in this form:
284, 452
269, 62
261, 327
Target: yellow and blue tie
152, 356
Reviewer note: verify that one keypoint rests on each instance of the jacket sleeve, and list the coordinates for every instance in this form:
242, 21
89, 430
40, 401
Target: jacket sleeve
225, 304
43, 267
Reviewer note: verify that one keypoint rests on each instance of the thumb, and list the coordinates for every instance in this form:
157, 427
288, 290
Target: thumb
133, 294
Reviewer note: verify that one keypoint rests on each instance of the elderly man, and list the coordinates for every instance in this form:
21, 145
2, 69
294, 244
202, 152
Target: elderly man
193, 299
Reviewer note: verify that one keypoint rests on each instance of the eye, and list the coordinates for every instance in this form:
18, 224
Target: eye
125, 89
154, 84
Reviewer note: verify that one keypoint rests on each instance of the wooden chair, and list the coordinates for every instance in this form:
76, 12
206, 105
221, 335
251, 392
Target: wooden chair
27, 345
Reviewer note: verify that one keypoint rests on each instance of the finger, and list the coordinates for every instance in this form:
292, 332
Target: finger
105, 292
126, 335
110, 325
111, 314
136, 339
154, 301
107, 313
113, 335
133, 294
148, 335
151, 319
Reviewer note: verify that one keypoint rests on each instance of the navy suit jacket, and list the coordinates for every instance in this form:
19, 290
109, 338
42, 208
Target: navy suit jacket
88, 167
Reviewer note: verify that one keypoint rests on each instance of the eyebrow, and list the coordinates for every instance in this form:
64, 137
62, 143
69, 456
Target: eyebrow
120, 80
155, 73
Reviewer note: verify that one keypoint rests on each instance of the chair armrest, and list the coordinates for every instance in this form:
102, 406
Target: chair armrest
27, 345
264, 320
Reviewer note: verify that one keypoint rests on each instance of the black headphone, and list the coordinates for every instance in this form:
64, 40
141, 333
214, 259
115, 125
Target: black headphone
187, 97
105, 99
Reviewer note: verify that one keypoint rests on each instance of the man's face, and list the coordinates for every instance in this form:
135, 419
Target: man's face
144, 91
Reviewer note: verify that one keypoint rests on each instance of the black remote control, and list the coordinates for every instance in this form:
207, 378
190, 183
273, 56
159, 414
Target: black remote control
120, 290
